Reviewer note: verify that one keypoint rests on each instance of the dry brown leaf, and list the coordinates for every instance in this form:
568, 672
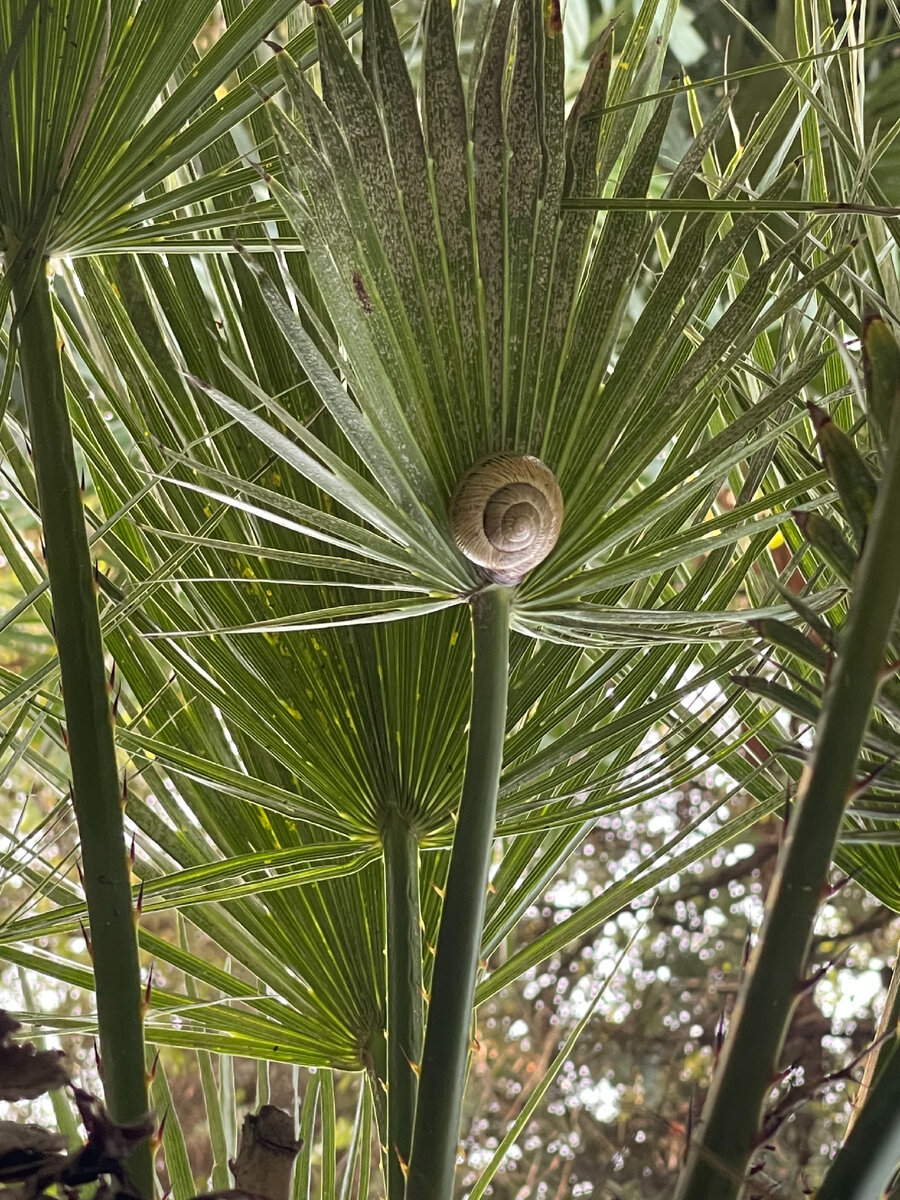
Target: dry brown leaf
24, 1071
25, 1149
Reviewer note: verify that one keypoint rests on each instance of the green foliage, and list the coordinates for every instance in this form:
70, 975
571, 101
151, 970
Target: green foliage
732, 1124
272, 437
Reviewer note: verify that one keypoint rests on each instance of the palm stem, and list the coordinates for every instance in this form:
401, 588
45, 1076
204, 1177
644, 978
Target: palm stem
449, 1028
866, 1164
723, 1144
96, 787
404, 992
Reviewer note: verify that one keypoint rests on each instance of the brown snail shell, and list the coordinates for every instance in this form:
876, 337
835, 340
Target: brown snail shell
506, 513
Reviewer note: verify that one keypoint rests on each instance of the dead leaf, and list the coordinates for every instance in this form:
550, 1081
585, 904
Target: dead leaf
25, 1149
24, 1071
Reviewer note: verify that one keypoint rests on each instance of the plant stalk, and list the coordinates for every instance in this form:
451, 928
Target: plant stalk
404, 993
96, 787
866, 1164
878, 1059
448, 1032
729, 1130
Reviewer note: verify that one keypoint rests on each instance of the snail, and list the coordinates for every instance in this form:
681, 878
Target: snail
506, 514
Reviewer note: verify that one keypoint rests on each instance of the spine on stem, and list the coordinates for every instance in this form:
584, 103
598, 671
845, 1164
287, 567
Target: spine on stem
96, 787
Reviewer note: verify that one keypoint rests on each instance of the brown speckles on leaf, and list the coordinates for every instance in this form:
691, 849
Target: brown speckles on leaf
362, 294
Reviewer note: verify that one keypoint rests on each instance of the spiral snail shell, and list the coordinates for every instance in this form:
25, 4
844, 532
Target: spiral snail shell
506, 514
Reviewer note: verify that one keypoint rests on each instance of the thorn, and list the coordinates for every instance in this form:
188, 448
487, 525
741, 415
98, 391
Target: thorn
440, 891
846, 1072
115, 707
860, 788
43, 550
785, 815
475, 1045
274, 46
829, 664
415, 1068
425, 996
80, 872
124, 802
807, 985
53, 625
139, 903
96, 574
429, 948
720, 1037
97, 1059
492, 891
688, 1129
112, 676
834, 888
28, 449
780, 1076
173, 677
65, 736
162, 1128
83, 489
745, 956
149, 988
151, 1074
87, 940
404, 1168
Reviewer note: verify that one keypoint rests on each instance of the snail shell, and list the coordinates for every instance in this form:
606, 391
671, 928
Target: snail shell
506, 514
